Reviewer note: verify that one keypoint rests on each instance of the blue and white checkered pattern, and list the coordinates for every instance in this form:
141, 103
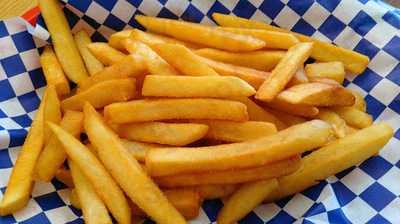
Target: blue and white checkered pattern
367, 193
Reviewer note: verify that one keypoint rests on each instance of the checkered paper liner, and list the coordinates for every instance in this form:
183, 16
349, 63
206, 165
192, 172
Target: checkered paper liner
367, 193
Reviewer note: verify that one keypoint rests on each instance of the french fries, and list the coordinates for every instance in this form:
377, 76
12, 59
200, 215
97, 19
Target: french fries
116, 39
270, 170
187, 63
162, 133
64, 176
200, 34
124, 168
338, 124
52, 111
74, 200
354, 117
53, 72
82, 40
152, 38
298, 78
258, 152
190, 86
325, 52
284, 71
332, 70
166, 109
64, 45
261, 60
102, 94
138, 149
105, 53
104, 185
294, 109
359, 103
286, 118
213, 191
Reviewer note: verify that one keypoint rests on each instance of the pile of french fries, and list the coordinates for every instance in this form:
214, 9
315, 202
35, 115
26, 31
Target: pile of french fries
186, 112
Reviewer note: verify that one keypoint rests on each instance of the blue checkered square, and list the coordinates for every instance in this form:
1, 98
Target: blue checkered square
3, 30
17, 137
316, 209
375, 166
343, 194
395, 104
13, 65
329, 5
166, 13
114, 22
366, 48
393, 47
271, 8
8, 219
337, 216
303, 27
300, 7
7, 91
192, 14
107, 4
71, 17
49, 201
23, 120
397, 134
282, 217
244, 9
80, 5
394, 75
29, 101
374, 106
377, 196
23, 41
378, 219
326, 27
217, 7
40, 218
5, 161
37, 78
211, 208
367, 80
392, 18
314, 191
362, 23
251, 218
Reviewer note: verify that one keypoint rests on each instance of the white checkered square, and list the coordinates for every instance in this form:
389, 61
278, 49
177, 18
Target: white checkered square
328, 199
201, 218
65, 195
383, 63
4, 139
385, 91
298, 205
282, 18
177, 7
256, 3
97, 12
267, 211
42, 188
4, 176
150, 7
319, 36
390, 152
391, 211
391, 180
203, 6
123, 10
373, 8
320, 218
229, 4
3, 74
347, 10
358, 211
82, 25
105, 31
60, 215
14, 26
21, 84
8, 123
30, 59
13, 153
7, 47
375, 35
357, 181
348, 38
12, 107
31, 209
316, 15
260, 16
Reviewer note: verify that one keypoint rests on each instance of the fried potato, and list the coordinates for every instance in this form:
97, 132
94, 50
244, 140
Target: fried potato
166, 109
64, 176
177, 134
351, 130
325, 52
190, 86
270, 170
53, 72
286, 118
258, 152
139, 149
214, 191
200, 34
184, 60
317, 94
284, 71
332, 70
272, 39
105, 53
333, 158
155, 64
245, 199
125, 168
93, 65
74, 200
338, 124
298, 78
93, 209
152, 38
115, 39
354, 117
360, 103
261, 60
294, 109
102, 94
53, 155
52, 111
64, 45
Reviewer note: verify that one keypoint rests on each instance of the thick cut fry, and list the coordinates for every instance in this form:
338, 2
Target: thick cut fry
102, 94
317, 94
53, 155
155, 63
333, 158
257, 113
245, 199
94, 171
64, 45
338, 124
254, 77
326, 52
52, 111
273, 39
74, 200
93, 209
152, 38
125, 168
184, 60
130, 66
288, 119
200, 34
261, 60
138, 149
229, 131
166, 109
332, 70
360, 103
354, 117
271, 170
21, 180
214, 191
298, 78
163, 133
190, 86
82, 40
258, 152
64, 176
284, 71
53, 72
351, 130
295, 109
116, 39
105, 53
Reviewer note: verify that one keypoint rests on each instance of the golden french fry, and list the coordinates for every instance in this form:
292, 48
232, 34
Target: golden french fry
338, 124
52, 111
270, 170
139, 149
295, 109
64, 45
261, 60
152, 38
116, 39
317, 94
333, 158
125, 168
325, 52
74, 200
94, 171
245, 199
130, 66
214, 191
354, 117
351, 130
298, 78
273, 39
166, 109
93, 65
93, 209
184, 60
177, 134
53, 72
105, 53
258, 152
53, 155
288, 119
191, 86
64, 176
360, 103
332, 70
284, 71
102, 94
200, 34
155, 63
